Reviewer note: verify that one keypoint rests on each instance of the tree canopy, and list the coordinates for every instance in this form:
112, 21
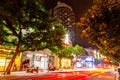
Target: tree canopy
26, 25
101, 24
69, 51
80, 51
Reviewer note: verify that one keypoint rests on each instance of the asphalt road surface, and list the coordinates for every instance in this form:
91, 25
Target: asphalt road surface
66, 75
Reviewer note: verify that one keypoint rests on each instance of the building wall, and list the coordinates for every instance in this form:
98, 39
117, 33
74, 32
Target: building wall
65, 15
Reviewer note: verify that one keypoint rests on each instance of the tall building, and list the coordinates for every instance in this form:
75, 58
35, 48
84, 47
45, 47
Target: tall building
64, 14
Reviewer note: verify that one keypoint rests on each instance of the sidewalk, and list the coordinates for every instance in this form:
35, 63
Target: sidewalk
22, 73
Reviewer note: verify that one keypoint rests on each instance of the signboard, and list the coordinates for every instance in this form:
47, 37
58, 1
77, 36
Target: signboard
89, 59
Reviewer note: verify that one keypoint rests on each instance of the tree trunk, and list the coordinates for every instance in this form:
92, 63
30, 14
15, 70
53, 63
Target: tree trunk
8, 70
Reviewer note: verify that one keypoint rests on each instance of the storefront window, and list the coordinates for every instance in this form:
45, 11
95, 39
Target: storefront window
38, 58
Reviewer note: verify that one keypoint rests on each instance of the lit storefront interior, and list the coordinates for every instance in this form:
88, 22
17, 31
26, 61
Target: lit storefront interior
37, 59
65, 63
5, 56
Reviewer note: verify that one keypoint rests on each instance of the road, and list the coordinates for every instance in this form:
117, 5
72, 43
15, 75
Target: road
63, 75
104, 76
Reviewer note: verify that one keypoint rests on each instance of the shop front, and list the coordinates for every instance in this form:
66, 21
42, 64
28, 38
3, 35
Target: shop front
64, 63
4, 61
6, 55
35, 59
89, 60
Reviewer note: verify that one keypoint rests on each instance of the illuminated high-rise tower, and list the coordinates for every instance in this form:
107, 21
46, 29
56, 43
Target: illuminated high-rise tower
64, 14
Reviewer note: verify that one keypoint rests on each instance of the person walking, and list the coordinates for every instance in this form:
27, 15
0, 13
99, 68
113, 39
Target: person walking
118, 73
117, 70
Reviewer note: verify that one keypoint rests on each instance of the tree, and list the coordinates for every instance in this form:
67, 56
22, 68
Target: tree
80, 51
26, 25
66, 51
69, 51
101, 24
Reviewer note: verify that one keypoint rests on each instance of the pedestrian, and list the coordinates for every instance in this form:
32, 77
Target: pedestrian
25, 64
118, 73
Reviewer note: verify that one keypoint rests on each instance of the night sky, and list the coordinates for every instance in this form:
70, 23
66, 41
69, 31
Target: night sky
79, 8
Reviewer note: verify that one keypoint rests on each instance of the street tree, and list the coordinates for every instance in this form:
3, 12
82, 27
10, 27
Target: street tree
101, 24
80, 51
65, 52
69, 51
26, 25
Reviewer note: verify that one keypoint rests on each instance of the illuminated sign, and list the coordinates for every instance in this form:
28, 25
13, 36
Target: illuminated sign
89, 59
